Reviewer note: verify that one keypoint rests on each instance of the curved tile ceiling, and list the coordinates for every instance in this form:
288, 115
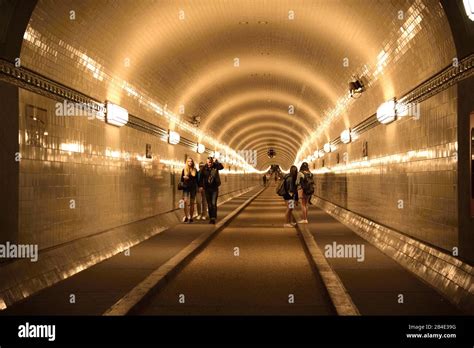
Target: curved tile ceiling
241, 65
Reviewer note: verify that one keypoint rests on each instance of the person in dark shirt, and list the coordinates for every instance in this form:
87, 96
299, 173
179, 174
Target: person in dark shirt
290, 196
210, 181
201, 197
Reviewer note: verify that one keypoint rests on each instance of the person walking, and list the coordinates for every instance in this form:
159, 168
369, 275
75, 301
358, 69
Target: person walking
210, 181
201, 201
265, 180
289, 195
189, 185
305, 186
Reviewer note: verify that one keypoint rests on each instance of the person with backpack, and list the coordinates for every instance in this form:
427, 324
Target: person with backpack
201, 196
305, 186
188, 184
287, 189
210, 181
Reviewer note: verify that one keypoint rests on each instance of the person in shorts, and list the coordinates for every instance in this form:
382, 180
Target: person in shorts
189, 183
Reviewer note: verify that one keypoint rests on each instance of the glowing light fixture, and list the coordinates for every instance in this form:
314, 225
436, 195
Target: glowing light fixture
173, 137
327, 147
200, 148
346, 136
386, 112
469, 7
217, 154
116, 115
321, 153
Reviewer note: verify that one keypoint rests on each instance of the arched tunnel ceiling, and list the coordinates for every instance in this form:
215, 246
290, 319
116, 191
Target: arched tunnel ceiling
290, 52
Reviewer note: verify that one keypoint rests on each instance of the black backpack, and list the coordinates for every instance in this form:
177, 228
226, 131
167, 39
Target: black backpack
307, 184
281, 188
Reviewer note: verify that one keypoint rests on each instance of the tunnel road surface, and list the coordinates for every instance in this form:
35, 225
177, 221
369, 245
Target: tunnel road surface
254, 266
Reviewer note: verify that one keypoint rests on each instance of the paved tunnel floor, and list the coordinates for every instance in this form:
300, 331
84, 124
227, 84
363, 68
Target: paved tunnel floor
270, 275
271, 266
100, 286
376, 283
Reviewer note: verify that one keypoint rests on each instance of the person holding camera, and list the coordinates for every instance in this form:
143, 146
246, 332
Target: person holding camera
210, 181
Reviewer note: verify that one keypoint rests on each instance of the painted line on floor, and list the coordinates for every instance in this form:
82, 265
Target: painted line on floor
338, 294
160, 276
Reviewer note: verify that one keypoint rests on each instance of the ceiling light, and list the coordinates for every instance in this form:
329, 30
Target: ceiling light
173, 137
271, 153
200, 148
346, 136
115, 114
386, 112
469, 7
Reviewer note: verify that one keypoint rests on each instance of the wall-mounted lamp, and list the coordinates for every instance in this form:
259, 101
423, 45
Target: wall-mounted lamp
216, 154
173, 137
327, 147
200, 148
115, 114
386, 112
469, 7
321, 153
346, 136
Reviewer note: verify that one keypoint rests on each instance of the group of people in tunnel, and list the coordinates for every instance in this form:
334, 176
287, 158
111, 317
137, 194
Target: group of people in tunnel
200, 186
297, 185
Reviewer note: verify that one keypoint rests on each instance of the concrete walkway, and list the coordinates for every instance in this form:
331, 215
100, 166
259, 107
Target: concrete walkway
254, 267
269, 271
99, 287
376, 283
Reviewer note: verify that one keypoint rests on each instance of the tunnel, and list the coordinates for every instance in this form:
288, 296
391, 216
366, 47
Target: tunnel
237, 158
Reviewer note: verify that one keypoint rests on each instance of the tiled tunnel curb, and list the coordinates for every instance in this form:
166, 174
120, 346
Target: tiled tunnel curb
22, 278
160, 276
338, 294
448, 275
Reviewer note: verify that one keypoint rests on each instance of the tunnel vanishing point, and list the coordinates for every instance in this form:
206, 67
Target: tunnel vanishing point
103, 103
